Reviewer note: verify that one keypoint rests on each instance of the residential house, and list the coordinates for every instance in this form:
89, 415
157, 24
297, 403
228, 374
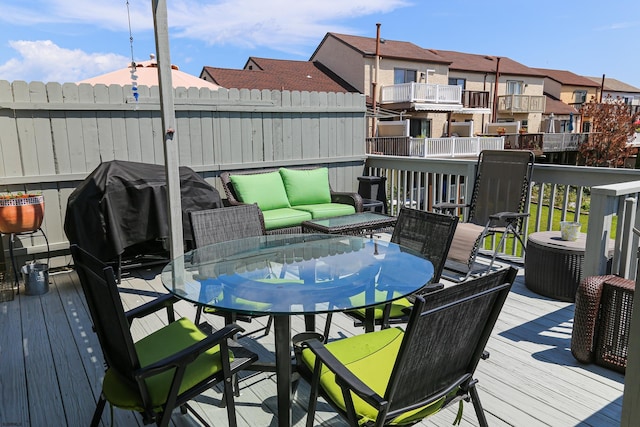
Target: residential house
566, 92
435, 88
518, 99
277, 74
404, 77
615, 88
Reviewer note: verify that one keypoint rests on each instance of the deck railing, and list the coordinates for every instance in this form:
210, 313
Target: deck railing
567, 192
433, 147
421, 92
521, 104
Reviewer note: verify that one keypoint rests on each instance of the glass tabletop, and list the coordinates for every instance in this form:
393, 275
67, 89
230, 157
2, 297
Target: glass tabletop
297, 274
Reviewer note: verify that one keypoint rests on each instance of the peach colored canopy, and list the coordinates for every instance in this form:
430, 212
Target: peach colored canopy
147, 72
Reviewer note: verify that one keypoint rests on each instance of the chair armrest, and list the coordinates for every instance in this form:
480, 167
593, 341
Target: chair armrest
449, 207
353, 199
190, 353
344, 377
164, 301
508, 216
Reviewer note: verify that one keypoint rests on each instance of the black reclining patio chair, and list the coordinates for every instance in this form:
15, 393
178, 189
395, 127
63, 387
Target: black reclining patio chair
163, 370
396, 377
500, 196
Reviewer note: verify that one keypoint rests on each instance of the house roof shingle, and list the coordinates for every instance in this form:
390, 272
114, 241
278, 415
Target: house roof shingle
567, 77
461, 61
278, 74
613, 85
388, 48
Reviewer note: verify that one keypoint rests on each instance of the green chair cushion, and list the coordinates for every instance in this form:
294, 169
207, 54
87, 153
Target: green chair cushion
326, 210
396, 312
284, 217
163, 343
359, 354
256, 305
307, 186
265, 189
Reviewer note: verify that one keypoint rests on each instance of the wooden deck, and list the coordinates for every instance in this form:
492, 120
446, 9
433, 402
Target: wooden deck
51, 366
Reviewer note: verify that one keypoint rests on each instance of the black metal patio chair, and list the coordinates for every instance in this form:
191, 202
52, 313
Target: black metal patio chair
220, 225
430, 234
500, 196
396, 377
163, 370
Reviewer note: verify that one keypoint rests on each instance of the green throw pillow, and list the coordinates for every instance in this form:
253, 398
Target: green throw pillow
265, 189
306, 187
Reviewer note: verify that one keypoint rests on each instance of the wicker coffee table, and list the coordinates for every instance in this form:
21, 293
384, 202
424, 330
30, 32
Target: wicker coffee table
358, 223
552, 266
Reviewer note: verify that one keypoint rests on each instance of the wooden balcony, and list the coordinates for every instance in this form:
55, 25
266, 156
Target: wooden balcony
521, 104
475, 99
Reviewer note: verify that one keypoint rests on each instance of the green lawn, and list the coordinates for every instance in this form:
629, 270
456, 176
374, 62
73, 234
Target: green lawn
584, 219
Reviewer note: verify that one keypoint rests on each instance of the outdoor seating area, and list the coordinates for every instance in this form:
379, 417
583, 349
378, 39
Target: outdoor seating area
531, 378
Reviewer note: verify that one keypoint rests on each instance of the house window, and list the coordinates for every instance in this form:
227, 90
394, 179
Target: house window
515, 87
454, 81
580, 96
420, 128
402, 75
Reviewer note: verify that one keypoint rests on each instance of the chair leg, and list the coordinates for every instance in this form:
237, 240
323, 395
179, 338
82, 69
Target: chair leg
327, 327
477, 406
97, 415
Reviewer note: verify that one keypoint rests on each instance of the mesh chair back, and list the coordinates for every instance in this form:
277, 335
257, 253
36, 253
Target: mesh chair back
107, 313
501, 185
230, 223
445, 339
429, 233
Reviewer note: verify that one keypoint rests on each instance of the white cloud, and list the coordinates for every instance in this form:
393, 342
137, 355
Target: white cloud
277, 24
44, 60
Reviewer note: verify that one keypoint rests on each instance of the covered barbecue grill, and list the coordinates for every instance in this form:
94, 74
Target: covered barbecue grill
120, 209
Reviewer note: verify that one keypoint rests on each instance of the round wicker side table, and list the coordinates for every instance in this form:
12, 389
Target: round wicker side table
552, 266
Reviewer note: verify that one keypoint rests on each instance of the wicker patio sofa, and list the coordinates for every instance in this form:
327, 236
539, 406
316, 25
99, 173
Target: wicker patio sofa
288, 196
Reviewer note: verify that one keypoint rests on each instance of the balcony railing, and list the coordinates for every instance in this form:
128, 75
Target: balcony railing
421, 93
567, 190
521, 104
554, 142
475, 99
433, 147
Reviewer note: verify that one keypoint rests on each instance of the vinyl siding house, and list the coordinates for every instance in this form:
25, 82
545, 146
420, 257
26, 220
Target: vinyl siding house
571, 90
434, 87
410, 80
616, 88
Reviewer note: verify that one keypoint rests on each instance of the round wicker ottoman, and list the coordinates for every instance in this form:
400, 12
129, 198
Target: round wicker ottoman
552, 266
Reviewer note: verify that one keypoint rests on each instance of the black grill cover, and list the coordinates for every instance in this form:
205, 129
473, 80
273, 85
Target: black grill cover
124, 204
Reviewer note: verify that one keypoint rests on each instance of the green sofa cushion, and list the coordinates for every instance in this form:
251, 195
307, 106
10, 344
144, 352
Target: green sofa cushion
284, 217
164, 342
326, 210
265, 189
359, 354
306, 186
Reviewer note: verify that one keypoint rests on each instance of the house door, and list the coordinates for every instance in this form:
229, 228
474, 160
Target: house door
420, 128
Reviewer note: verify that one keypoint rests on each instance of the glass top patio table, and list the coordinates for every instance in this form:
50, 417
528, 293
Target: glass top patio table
297, 274
289, 274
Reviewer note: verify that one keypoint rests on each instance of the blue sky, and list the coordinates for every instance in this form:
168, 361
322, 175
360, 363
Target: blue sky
67, 41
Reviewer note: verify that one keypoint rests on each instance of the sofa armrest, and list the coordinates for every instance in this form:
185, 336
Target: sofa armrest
353, 199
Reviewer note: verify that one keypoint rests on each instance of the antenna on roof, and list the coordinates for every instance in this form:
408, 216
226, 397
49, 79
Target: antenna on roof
134, 76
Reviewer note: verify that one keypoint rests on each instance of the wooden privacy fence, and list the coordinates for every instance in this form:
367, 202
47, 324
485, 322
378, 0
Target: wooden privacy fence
53, 135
